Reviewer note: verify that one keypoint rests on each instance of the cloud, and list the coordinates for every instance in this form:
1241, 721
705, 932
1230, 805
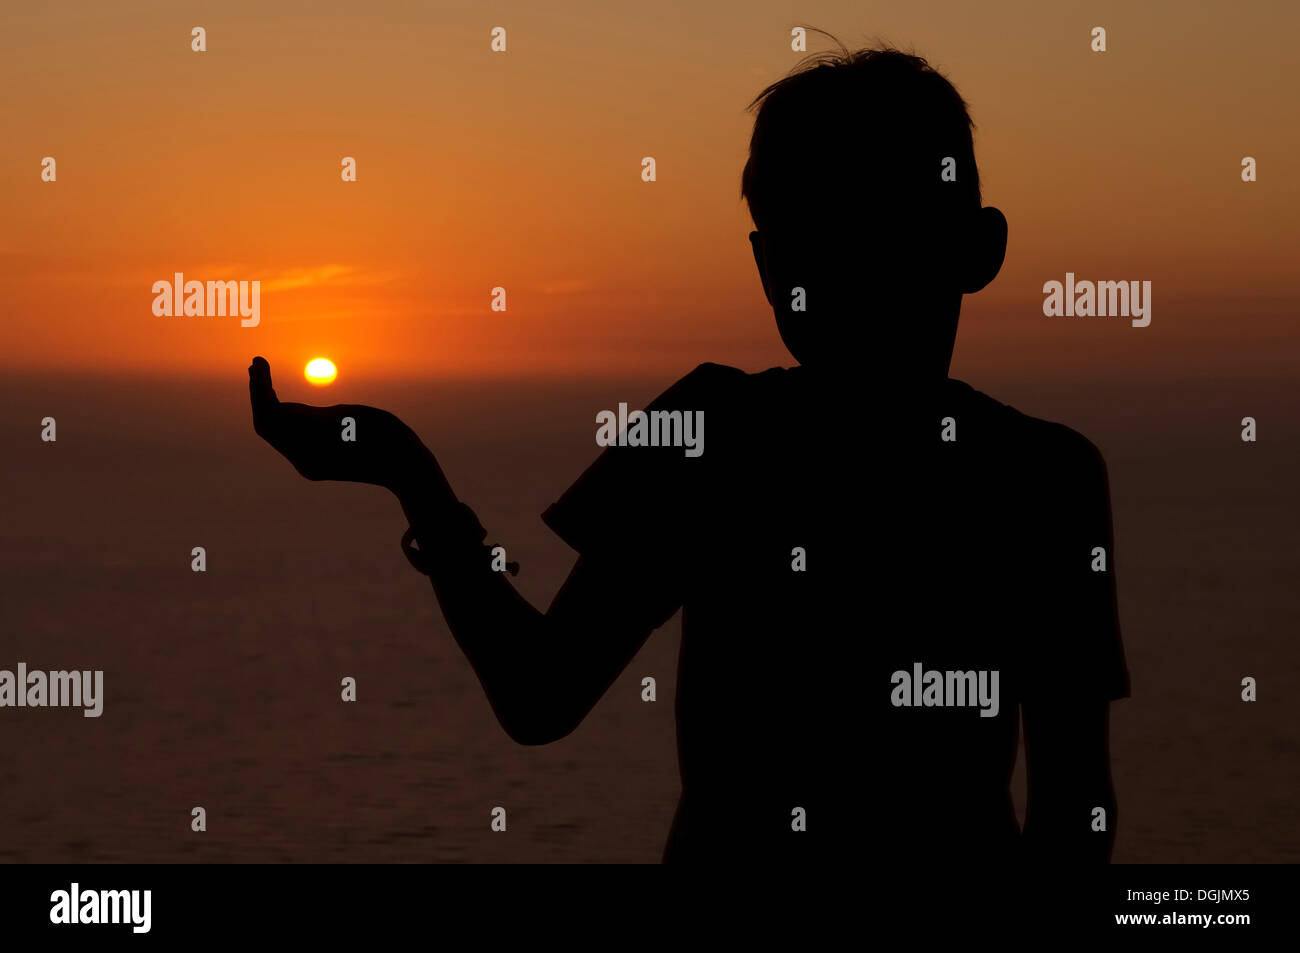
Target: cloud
566, 286
307, 277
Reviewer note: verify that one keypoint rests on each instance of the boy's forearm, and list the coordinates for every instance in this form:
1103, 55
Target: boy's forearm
1063, 822
422, 489
505, 639
499, 631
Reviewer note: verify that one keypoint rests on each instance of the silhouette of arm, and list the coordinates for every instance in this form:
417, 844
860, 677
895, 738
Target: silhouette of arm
628, 516
542, 672
1067, 762
1067, 721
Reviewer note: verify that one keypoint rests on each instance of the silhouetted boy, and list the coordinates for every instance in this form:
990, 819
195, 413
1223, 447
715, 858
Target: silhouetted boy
881, 569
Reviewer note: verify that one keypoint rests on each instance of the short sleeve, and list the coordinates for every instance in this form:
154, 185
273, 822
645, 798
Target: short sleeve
1076, 648
639, 504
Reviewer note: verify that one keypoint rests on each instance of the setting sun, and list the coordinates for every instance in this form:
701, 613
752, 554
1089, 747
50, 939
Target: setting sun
320, 371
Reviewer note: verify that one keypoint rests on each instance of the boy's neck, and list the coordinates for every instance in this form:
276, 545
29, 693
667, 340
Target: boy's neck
860, 385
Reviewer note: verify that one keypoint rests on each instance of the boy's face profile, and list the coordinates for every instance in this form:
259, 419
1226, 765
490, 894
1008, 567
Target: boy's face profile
868, 226
881, 292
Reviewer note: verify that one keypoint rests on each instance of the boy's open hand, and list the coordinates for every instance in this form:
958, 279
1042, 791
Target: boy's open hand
382, 449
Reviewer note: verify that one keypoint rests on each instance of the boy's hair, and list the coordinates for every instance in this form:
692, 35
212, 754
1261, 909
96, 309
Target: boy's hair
868, 125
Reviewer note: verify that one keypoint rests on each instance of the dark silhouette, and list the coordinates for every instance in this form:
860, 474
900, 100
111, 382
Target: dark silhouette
973, 554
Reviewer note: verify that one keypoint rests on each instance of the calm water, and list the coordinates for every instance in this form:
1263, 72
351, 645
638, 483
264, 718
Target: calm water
222, 689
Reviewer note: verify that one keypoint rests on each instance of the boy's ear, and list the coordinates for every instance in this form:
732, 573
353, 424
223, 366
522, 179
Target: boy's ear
760, 260
986, 249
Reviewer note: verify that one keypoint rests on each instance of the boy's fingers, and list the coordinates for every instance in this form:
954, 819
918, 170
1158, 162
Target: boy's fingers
260, 391
259, 381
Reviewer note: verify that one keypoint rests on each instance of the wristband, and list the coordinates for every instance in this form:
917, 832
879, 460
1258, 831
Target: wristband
452, 545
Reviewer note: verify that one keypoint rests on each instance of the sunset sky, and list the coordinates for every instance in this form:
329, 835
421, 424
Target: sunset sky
522, 169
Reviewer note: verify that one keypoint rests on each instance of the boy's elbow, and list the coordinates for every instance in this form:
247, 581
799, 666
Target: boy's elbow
536, 728
541, 710
532, 736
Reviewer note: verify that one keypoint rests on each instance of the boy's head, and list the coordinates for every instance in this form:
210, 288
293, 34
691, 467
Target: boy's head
863, 188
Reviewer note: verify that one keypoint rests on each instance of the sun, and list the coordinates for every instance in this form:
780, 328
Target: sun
320, 372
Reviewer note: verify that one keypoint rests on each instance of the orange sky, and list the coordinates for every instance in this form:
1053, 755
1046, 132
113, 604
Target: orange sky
522, 170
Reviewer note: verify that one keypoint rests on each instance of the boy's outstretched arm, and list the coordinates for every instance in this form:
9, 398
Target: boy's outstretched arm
542, 672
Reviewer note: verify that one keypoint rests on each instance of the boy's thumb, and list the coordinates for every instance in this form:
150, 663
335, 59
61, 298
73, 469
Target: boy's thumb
260, 391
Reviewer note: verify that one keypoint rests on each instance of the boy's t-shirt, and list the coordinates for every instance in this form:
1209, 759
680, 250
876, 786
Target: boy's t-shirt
870, 588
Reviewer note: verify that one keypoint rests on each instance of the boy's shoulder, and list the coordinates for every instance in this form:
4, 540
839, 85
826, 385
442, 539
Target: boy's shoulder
734, 393
1047, 443
1052, 448
719, 383
710, 378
